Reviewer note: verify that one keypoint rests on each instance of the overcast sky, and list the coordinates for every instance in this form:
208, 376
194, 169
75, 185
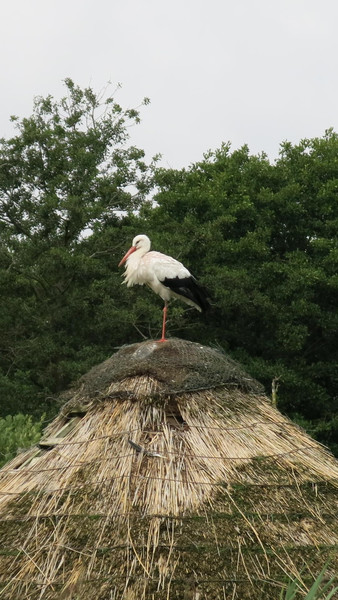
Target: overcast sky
245, 71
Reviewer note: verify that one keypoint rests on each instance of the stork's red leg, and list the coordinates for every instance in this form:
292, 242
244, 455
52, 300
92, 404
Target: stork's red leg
163, 339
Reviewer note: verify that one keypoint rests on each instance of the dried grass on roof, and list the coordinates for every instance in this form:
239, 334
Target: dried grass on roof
209, 494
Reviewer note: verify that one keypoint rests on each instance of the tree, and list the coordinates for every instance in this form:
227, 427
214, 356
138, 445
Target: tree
65, 178
263, 238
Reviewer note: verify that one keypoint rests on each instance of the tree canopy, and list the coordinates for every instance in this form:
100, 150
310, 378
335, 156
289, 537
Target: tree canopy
261, 236
68, 173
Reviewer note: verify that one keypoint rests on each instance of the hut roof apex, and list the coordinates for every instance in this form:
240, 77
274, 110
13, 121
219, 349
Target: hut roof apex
177, 365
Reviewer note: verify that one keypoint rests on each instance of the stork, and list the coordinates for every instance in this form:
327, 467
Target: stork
166, 276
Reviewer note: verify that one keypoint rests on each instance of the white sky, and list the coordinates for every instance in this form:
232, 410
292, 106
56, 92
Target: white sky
245, 71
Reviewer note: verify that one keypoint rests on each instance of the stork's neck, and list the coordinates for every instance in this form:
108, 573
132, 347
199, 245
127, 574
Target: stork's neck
133, 267
136, 256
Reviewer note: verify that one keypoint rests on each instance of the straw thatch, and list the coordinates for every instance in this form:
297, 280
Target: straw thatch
167, 475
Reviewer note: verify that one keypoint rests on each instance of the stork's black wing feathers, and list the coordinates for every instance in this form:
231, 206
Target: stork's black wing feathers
189, 288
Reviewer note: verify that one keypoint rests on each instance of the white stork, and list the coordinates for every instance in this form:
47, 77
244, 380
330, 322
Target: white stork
166, 276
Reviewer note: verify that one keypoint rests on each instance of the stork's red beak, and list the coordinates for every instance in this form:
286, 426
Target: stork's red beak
130, 251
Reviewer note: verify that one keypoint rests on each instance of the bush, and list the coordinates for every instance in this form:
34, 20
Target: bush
17, 433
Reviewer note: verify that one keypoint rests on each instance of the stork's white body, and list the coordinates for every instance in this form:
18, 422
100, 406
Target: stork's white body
152, 269
166, 276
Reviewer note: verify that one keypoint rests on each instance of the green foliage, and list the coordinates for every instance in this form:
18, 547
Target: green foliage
320, 590
16, 434
262, 237
65, 180
324, 430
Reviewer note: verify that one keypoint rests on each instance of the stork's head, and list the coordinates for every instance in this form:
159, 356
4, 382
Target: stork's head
141, 243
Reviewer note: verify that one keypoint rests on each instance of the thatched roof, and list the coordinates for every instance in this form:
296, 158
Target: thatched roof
167, 474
